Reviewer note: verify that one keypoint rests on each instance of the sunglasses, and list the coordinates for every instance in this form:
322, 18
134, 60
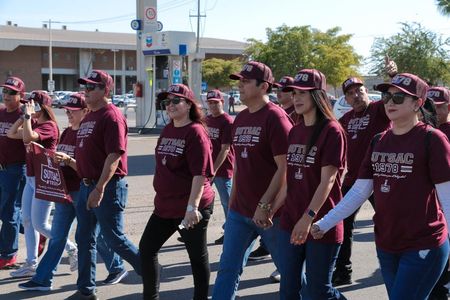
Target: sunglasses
397, 98
175, 101
10, 92
91, 86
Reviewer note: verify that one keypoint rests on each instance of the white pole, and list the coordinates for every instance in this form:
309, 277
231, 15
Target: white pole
50, 52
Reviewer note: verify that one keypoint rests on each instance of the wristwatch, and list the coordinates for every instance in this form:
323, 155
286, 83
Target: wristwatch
27, 116
191, 208
311, 213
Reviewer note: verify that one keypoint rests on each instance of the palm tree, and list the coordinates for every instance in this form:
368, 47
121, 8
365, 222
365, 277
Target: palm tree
444, 7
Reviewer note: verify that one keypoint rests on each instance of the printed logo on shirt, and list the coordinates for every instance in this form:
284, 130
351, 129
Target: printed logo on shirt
171, 146
392, 165
86, 129
246, 136
68, 149
298, 157
214, 133
4, 127
357, 124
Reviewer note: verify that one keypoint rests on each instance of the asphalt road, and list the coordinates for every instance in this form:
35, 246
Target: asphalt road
176, 279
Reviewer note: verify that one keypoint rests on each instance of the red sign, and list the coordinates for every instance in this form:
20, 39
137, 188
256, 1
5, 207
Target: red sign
150, 13
50, 184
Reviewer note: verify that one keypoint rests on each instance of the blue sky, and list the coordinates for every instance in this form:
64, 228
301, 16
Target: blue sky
237, 19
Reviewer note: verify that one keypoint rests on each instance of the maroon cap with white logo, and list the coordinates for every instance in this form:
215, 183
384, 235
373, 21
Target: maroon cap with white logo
76, 102
40, 97
307, 80
349, 82
98, 77
284, 81
214, 95
254, 70
407, 83
179, 90
439, 95
15, 84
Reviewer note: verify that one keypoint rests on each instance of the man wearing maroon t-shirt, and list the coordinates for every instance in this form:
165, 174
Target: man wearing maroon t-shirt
441, 98
361, 123
12, 172
101, 158
219, 125
286, 99
260, 144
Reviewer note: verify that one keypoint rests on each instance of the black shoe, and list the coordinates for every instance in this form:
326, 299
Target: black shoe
258, 254
114, 278
219, 241
341, 279
79, 296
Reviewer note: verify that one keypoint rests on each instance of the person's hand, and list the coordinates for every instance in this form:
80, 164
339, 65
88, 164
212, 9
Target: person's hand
60, 157
94, 199
29, 108
390, 67
316, 232
262, 218
301, 230
191, 218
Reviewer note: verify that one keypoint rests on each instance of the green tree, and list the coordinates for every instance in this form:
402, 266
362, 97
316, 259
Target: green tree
215, 72
443, 7
416, 50
289, 49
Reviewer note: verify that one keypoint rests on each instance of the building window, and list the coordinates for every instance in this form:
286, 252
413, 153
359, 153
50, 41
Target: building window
68, 57
105, 58
45, 56
55, 56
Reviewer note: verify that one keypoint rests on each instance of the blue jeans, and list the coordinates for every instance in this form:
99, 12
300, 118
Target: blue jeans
12, 181
61, 225
240, 236
319, 260
109, 216
223, 186
412, 274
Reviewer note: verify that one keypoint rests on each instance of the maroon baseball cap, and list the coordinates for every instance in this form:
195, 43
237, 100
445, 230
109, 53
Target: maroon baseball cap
179, 90
76, 102
41, 97
284, 81
307, 80
254, 70
351, 81
214, 95
98, 77
15, 84
439, 95
407, 83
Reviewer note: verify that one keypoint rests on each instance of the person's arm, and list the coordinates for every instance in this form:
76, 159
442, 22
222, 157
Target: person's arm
355, 197
60, 157
221, 156
109, 167
302, 227
263, 211
28, 134
443, 191
15, 131
233, 187
192, 215
279, 199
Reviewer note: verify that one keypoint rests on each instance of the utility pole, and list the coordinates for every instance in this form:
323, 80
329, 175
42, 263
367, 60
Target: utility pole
198, 16
50, 82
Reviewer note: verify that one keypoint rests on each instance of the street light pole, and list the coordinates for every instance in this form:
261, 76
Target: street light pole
114, 70
50, 53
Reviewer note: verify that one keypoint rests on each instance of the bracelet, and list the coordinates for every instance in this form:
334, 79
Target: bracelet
68, 160
265, 206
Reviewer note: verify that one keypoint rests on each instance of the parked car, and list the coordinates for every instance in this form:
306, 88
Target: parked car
341, 106
123, 100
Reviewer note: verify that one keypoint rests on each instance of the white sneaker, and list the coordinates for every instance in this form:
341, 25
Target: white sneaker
26, 270
73, 259
275, 276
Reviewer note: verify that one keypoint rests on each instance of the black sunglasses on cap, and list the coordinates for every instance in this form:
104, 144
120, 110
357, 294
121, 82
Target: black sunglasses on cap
92, 86
175, 100
9, 92
397, 98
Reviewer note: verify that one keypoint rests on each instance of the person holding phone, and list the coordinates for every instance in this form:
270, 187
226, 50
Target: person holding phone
184, 161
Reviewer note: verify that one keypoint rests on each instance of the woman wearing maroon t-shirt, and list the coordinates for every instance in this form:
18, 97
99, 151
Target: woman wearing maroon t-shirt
184, 197
38, 125
407, 168
315, 163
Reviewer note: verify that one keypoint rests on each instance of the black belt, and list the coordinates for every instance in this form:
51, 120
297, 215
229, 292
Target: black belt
90, 181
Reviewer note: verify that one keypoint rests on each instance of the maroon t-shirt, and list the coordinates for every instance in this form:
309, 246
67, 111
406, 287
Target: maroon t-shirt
445, 128
48, 138
67, 145
360, 128
257, 138
181, 153
219, 129
304, 174
101, 133
404, 171
12, 151
290, 109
